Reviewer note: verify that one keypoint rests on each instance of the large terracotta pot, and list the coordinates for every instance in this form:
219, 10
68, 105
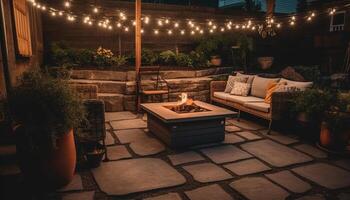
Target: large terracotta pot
333, 141
49, 169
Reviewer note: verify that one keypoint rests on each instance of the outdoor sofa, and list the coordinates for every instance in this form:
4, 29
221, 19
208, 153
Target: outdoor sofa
255, 103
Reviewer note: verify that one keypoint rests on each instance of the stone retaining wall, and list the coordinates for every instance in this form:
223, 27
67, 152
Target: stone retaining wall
117, 89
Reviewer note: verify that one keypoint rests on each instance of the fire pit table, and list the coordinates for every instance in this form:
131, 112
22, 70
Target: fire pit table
187, 125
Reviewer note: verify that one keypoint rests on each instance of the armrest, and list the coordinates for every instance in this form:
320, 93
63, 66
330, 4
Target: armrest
217, 86
280, 104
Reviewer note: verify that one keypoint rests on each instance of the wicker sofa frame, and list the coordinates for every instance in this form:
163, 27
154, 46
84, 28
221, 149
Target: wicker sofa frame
277, 111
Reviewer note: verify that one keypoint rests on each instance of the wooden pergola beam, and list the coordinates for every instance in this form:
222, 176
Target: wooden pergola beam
138, 50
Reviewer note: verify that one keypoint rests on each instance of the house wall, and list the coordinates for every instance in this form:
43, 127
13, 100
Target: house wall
17, 64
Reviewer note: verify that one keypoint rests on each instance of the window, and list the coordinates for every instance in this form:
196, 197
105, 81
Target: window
337, 21
22, 28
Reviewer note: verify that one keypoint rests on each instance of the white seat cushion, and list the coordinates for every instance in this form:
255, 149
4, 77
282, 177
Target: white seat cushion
242, 100
221, 95
260, 106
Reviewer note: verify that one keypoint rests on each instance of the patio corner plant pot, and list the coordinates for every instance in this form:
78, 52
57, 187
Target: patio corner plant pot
46, 110
265, 62
333, 141
49, 169
95, 155
216, 61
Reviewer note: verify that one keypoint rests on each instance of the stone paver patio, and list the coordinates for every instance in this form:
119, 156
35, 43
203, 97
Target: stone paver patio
248, 165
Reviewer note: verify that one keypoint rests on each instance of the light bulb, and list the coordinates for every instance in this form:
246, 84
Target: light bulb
170, 32
210, 23
119, 25
160, 23
67, 4
167, 21
278, 25
201, 31
53, 14
60, 13
126, 29
222, 29
182, 32
95, 10
156, 32
176, 25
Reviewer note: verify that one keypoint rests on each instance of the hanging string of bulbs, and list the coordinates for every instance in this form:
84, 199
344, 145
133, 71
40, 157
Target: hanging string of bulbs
169, 26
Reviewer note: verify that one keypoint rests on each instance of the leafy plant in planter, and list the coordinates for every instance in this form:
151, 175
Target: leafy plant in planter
103, 57
167, 58
46, 110
119, 61
148, 57
330, 110
199, 59
184, 60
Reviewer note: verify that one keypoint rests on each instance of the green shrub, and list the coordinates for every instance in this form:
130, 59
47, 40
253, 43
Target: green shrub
199, 59
84, 57
184, 60
167, 58
148, 57
45, 107
118, 61
60, 54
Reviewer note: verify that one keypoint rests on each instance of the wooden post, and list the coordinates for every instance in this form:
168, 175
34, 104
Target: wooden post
138, 51
270, 7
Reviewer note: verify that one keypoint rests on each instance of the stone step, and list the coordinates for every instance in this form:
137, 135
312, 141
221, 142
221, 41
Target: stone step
104, 86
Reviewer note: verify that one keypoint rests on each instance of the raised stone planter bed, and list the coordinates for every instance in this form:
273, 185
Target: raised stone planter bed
117, 88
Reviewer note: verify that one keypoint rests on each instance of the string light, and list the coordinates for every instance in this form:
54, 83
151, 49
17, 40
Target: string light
156, 32
146, 20
142, 31
196, 26
126, 29
110, 27
333, 10
67, 4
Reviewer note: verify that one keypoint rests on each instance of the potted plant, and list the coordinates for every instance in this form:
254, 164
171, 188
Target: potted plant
45, 110
328, 110
335, 128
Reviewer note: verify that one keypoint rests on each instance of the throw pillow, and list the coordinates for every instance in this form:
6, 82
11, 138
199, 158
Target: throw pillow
241, 89
271, 88
301, 86
250, 77
259, 86
231, 81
